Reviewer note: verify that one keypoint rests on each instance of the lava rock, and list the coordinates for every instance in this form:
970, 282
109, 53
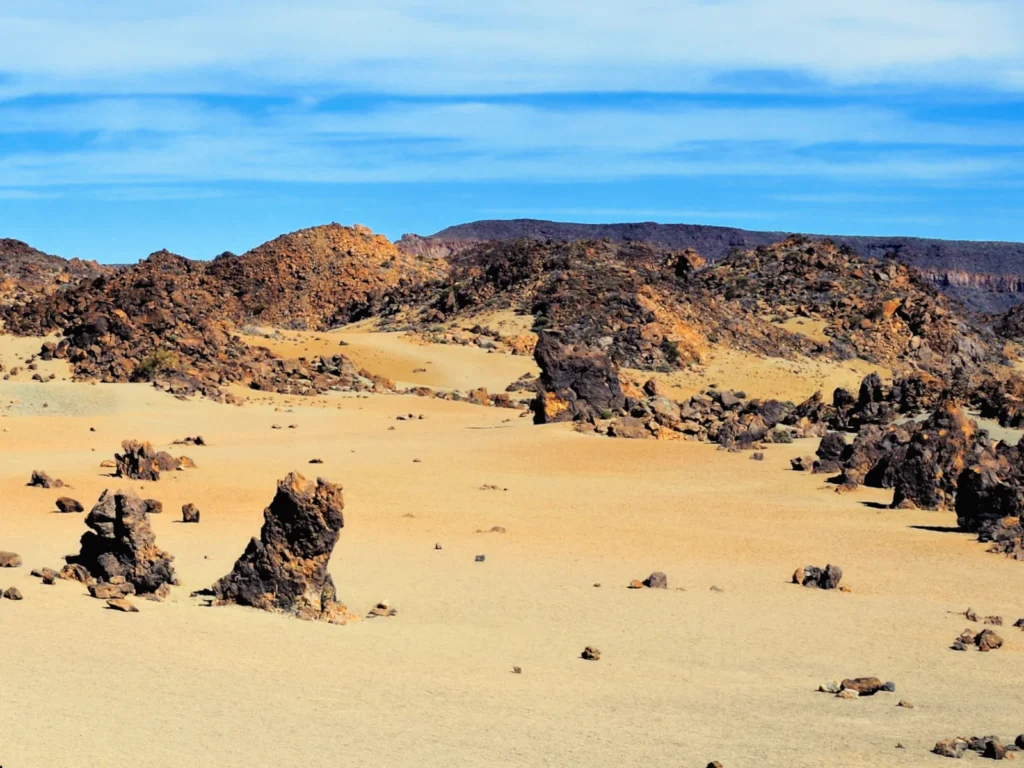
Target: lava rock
68, 505
121, 544
285, 570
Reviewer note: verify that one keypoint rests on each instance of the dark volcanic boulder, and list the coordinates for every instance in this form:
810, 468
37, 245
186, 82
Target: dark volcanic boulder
927, 469
138, 462
40, 479
821, 578
122, 544
831, 451
576, 382
189, 513
285, 570
66, 504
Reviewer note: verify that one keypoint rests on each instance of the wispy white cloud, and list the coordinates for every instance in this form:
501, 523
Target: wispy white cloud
465, 47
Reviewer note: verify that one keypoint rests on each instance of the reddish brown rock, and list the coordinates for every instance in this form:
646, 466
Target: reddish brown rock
189, 513
10, 560
865, 686
68, 505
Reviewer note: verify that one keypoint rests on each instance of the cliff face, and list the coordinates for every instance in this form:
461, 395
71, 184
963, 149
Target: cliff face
986, 276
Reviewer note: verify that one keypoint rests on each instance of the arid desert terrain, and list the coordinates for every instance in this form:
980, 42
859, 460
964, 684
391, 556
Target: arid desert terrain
477, 661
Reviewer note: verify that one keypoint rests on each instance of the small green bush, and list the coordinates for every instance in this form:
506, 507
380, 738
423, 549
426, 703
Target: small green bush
782, 436
157, 361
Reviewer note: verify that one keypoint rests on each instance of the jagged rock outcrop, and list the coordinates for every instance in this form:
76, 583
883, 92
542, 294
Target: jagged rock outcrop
121, 545
138, 462
285, 570
576, 382
921, 461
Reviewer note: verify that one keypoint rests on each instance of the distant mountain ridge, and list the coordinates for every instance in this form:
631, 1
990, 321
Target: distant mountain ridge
987, 276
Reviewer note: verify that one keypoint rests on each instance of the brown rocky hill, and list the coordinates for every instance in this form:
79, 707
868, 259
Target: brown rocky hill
166, 320
652, 308
318, 278
981, 274
25, 271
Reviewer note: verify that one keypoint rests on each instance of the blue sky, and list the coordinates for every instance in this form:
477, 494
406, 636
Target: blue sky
211, 126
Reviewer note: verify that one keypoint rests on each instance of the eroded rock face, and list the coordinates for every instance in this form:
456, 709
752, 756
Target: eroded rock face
285, 570
138, 462
577, 382
121, 545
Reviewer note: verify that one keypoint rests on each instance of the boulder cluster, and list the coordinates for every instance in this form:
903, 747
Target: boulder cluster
991, 747
140, 462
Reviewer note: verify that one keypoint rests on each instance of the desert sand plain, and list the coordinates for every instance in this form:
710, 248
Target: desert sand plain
687, 674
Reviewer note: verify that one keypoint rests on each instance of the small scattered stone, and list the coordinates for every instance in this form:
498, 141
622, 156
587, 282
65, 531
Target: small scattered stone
889, 687
987, 640
275, 426
950, 748
68, 505
591, 654
864, 686
40, 479
383, 608
108, 464
438, 546
636, 584
757, 456
109, 591
656, 580
189, 513
480, 558
48, 575
10, 560
316, 461
994, 749
847, 693
75, 572
517, 670
13, 593
830, 686
716, 589
995, 621
120, 604
417, 461
965, 640
905, 704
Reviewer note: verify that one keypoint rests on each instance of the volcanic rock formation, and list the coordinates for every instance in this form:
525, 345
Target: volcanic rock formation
285, 570
121, 545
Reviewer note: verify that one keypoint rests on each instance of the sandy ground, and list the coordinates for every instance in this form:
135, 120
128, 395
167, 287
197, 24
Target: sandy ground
794, 380
687, 675
405, 359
